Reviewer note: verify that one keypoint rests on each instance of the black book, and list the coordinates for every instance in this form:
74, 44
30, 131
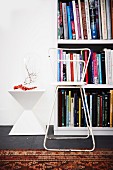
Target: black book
103, 67
94, 109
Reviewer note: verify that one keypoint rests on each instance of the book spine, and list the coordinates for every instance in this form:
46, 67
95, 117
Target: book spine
80, 112
97, 18
69, 107
78, 20
103, 67
61, 65
75, 67
87, 19
72, 21
59, 109
111, 108
61, 23
93, 19
94, 109
98, 110
65, 25
108, 19
95, 71
69, 22
100, 69
75, 17
111, 10
83, 13
64, 66
58, 66
103, 17
72, 112
100, 21
80, 13
71, 67
75, 109
58, 20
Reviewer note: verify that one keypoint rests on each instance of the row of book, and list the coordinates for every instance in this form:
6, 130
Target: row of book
71, 109
70, 66
85, 19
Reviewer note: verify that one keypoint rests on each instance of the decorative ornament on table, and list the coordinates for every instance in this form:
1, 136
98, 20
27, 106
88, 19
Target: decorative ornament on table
31, 74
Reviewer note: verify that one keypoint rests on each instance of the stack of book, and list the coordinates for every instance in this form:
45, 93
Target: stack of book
99, 71
71, 109
85, 19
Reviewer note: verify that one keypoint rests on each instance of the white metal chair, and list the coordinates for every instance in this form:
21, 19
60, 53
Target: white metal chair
74, 84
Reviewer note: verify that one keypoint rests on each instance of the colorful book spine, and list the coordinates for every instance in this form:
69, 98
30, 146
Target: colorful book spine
71, 67
58, 66
84, 25
69, 22
78, 20
87, 19
72, 21
65, 24
81, 23
61, 23
61, 65
100, 21
58, 20
92, 10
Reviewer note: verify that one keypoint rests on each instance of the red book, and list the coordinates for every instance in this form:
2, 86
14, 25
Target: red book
71, 67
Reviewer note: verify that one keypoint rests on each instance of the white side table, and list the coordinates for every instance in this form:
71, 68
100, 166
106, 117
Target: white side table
27, 124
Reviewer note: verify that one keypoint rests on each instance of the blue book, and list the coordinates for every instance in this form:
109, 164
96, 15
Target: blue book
69, 22
93, 24
100, 68
58, 66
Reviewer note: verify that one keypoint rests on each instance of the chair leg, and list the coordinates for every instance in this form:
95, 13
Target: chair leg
83, 96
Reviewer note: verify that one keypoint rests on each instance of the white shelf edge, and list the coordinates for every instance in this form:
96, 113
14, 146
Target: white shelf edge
84, 41
85, 85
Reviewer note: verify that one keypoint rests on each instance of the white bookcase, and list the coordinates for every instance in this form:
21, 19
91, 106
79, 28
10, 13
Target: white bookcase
100, 44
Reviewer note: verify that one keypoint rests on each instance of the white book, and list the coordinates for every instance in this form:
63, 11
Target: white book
112, 64
65, 24
87, 19
68, 70
75, 19
103, 17
106, 65
78, 67
75, 67
109, 62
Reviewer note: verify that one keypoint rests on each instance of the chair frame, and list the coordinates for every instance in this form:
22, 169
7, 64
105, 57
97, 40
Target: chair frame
85, 105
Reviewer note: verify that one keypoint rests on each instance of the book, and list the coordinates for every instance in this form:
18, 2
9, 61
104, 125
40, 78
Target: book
80, 14
71, 67
83, 15
69, 22
111, 10
65, 24
59, 109
72, 21
108, 19
75, 18
61, 22
103, 17
87, 19
92, 12
111, 108
58, 20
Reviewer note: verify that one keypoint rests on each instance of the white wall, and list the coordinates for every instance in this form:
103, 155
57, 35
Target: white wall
26, 26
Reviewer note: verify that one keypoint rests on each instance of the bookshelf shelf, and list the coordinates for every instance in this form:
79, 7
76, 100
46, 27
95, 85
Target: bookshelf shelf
62, 41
